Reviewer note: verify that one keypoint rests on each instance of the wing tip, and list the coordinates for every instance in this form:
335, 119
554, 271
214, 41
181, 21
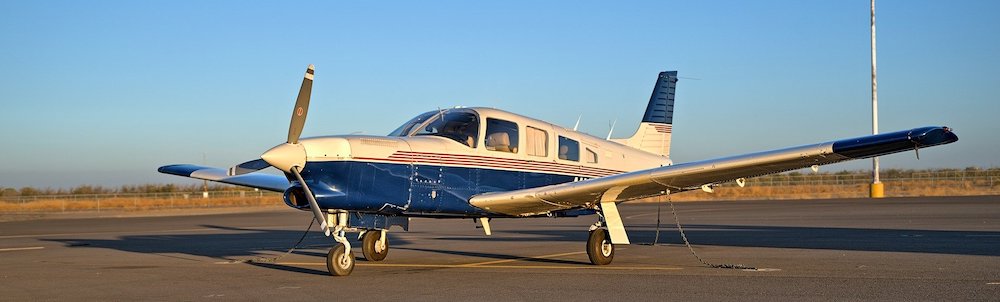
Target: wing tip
179, 169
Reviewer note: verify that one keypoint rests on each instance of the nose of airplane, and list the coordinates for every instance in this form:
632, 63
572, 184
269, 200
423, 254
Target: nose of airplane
285, 156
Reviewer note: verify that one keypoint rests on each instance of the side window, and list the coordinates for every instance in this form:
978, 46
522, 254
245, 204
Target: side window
501, 135
569, 149
590, 156
537, 141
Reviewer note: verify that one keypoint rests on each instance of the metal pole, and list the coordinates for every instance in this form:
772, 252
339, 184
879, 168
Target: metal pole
877, 189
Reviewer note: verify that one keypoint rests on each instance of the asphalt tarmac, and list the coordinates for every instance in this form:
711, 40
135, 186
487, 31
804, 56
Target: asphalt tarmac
850, 249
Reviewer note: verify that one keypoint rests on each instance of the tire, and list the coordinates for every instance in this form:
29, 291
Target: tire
599, 247
340, 261
369, 246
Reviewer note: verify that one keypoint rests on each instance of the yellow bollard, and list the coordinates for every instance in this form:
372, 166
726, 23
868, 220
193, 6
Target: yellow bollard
877, 190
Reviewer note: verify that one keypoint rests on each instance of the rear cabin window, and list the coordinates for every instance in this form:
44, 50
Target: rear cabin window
569, 149
501, 135
537, 141
590, 156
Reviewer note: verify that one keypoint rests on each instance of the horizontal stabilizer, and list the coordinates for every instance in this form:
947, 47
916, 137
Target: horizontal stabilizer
270, 182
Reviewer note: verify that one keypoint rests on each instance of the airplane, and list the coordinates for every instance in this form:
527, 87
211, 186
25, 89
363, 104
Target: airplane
484, 163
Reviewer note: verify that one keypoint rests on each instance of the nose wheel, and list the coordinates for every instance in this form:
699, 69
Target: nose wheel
375, 245
599, 247
340, 261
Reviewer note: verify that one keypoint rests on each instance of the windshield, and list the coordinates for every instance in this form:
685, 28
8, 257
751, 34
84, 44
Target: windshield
460, 126
407, 127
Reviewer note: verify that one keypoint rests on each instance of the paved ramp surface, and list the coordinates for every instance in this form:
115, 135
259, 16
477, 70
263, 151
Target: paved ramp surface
853, 249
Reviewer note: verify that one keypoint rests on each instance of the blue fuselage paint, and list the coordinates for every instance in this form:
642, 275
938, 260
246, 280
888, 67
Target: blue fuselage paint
414, 189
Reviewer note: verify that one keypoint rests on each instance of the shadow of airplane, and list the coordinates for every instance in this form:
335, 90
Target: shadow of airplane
979, 243
245, 245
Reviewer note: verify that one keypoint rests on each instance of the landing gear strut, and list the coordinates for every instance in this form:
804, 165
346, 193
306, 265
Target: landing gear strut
375, 245
606, 232
340, 260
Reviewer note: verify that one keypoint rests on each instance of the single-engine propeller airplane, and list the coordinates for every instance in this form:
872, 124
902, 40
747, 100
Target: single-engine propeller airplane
484, 163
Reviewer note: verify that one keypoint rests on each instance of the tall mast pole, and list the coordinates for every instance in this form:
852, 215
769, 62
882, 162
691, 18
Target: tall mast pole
877, 189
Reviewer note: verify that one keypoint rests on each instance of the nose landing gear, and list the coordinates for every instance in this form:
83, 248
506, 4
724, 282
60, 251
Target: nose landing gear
340, 260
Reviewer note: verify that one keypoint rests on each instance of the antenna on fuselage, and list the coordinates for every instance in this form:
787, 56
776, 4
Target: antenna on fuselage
612, 130
577, 122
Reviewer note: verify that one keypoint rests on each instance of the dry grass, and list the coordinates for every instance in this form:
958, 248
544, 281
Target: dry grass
135, 204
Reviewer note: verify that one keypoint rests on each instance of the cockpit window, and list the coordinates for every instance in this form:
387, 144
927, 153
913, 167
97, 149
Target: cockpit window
407, 127
460, 126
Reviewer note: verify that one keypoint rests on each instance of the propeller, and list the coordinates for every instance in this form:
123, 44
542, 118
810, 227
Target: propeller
291, 156
301, 106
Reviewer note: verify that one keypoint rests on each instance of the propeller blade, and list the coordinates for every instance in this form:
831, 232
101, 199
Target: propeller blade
312, 201
301, 106
247, 167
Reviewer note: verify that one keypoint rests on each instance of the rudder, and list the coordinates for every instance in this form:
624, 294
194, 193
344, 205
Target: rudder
654, 131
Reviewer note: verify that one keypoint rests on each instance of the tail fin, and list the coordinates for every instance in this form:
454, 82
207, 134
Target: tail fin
653, 135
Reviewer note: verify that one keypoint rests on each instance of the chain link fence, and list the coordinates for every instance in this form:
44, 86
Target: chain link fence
856, 185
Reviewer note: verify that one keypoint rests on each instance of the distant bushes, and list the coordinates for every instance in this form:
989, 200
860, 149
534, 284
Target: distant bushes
92, 189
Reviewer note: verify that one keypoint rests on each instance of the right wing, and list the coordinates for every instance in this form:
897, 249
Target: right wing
258, 180
688, 176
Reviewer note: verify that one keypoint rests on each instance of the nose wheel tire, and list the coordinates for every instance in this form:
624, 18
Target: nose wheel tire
340, 261
374, 247
599, 247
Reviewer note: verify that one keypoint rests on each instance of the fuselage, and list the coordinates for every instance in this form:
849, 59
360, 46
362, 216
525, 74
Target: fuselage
432, 165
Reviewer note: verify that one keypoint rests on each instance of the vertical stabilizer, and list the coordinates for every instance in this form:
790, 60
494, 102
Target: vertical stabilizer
654, 131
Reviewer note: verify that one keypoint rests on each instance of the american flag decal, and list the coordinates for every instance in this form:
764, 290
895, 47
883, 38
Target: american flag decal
663, 128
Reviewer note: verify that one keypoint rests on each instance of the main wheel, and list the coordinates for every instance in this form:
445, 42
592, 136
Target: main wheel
373, 247
599, 247
340, 261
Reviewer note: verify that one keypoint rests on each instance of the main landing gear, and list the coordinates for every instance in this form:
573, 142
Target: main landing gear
599, 247
607, 232
600, 250
375, 245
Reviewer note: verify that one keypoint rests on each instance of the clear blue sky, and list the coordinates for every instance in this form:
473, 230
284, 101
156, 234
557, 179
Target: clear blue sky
104, 92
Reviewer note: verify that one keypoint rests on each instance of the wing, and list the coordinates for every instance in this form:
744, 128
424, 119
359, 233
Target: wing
688, 176
258, 180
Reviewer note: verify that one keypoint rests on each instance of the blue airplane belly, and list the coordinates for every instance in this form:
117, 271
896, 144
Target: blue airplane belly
392, 188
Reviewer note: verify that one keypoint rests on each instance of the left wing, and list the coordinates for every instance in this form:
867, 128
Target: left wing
688, 176
258, 180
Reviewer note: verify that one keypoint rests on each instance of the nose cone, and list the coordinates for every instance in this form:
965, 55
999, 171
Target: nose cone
286, 156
